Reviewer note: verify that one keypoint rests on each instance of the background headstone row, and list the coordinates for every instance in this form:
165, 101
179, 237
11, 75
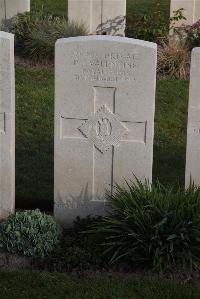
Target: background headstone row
9, 8
105, 17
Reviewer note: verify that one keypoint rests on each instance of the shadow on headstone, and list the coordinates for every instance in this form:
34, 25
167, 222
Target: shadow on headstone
114, 26
82, 206
7, 24
79, 201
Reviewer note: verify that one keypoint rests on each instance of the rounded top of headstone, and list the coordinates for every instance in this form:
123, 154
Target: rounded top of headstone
6, 35
196, 50
108, 38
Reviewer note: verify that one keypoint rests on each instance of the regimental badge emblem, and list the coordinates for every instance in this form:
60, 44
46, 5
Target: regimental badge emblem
103, 130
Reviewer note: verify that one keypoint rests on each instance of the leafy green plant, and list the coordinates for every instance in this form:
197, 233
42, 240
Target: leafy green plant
21, 25
77, 252
152, 25
192, 35
152, 225
30, 233
36, 34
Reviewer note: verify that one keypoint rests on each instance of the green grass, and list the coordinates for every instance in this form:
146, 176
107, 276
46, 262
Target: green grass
46, 285
34, 138
170, 131
52, 7
34, 135
143, 6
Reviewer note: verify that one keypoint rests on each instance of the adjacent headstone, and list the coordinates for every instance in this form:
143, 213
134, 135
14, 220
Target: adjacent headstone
197, 10
191, 10
10, 8
2, 10
104, 120
193, 131
7, 125
13, 7
106, 17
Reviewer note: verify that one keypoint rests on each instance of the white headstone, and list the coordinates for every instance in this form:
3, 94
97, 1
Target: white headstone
99, 16
10, 8
193, 131
13, 7
7, 125
2, 10
191, 10
104, 120
197, 11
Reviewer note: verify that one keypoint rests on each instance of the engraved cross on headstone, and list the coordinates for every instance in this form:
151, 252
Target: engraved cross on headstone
2, 122
105, 131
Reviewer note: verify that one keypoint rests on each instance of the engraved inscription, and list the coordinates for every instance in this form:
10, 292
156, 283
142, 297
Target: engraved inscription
67, 205
104, 129
194, 128
108, 67
196, 131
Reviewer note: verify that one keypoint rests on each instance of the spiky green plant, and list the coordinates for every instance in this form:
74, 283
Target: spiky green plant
36, 34
40, 43
153, 225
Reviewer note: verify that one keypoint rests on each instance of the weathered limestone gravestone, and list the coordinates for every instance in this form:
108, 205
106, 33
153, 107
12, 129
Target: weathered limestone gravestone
99, 16
191, 10
104, 120
7, 125
193, 131
9, 8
